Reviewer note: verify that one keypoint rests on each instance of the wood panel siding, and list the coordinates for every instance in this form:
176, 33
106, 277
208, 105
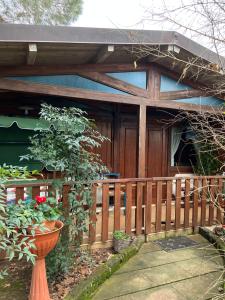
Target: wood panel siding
128, 151
105, 127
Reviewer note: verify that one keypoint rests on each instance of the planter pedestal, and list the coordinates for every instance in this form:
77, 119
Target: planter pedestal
44, 244
39, 284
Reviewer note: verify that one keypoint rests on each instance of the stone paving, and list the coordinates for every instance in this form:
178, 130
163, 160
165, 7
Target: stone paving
153, 274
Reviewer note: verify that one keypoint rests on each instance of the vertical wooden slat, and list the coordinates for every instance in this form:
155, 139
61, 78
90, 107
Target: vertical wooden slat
128, 207
66, 208
187, 203
139, 208
212, 201
178, 203
65, 197
203, 202
168, 204
219, 201
92, 216
158, 206
117, 206
195, 204
105, 211
141, 141
35, 191
19, 193
148, 208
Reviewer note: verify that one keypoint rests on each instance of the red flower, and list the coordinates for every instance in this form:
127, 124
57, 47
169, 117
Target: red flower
40, 199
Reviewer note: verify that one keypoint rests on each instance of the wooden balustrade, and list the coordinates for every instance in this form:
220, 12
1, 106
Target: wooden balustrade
143, 205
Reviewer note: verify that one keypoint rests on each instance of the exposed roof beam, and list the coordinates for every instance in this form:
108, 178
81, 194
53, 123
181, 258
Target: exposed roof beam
183, 106
181, 94
114, 83
67, 70
38, 88
103, 54
75, 93
32, 53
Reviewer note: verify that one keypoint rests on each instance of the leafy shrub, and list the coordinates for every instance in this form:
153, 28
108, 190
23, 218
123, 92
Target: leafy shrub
68, 146
120, 235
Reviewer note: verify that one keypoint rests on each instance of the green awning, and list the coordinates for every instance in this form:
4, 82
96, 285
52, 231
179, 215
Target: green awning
23, 122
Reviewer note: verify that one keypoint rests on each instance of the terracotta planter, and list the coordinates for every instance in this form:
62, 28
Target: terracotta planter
49, 226
44, 243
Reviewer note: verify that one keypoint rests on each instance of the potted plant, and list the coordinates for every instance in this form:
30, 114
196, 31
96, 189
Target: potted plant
31, 220
121, 240
50, 207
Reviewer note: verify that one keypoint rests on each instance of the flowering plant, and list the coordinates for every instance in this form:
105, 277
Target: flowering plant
23, 217
29, 216
50, 207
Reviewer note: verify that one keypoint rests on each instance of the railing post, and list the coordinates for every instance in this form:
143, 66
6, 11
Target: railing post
117, 206
158, 206
148, 208
139, 208
19, 193
92, 216
212, 200
203, 204
195, 205
178, 204
168, 204
128, 207
187, 203
105, 212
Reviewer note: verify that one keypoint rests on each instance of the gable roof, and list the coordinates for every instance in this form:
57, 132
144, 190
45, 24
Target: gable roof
19, 33
66, 45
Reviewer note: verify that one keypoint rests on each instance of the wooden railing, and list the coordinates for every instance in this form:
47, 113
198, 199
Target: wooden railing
142, 205
152, 205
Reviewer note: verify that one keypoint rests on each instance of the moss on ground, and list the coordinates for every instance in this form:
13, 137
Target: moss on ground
86, 289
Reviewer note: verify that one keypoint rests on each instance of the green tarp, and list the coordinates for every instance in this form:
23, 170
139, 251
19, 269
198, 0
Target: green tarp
14, 140
23, 123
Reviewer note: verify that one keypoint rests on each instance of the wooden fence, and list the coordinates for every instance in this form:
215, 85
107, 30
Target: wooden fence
143, 205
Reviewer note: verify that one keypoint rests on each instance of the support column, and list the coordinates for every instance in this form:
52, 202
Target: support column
142, 141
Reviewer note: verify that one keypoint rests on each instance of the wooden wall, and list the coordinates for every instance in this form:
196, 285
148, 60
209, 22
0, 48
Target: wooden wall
121, 154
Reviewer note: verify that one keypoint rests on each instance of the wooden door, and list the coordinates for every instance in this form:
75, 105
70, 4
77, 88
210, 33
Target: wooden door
128, 150
156, 152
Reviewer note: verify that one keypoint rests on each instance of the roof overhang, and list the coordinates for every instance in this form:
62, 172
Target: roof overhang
39, 45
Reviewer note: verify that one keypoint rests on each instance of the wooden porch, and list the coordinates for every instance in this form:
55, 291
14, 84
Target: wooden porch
158, 206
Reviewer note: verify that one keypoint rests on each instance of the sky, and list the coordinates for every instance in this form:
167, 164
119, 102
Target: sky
129, 14
116, 14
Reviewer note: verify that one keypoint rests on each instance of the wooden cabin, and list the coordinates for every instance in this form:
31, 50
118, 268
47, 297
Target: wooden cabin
129, 81
102, 72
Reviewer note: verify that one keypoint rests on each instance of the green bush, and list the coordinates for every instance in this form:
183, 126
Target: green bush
120, 235
68, 146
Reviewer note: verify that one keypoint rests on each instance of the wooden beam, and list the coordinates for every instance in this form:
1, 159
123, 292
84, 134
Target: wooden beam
32, 54
38, 88
153, 83
183, 106
181, 94
103, 54
114, 83
67, 70
142, 141
76, 93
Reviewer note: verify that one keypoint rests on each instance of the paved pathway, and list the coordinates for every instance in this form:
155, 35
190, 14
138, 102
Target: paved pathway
153, 274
